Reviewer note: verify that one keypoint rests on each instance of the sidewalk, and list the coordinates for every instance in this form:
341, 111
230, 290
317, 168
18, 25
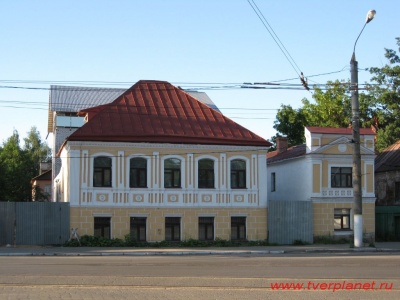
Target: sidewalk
126, 251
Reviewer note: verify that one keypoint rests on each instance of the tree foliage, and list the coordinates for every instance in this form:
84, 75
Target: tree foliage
19, 165
385, 90
290, 122
331, 106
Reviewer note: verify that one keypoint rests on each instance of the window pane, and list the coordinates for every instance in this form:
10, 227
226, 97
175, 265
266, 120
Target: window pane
273, 182
177, 178
138, 228
143, 178
102, 227
138, 163
167, 178
341, 177
238, 228
102, 162
346, 222
97, 178
238, 164
172, 163
234, 180
107, 177
172, 228
338, 223
242, 179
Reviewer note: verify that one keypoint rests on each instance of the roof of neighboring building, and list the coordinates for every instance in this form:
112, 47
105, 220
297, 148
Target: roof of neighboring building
44, 176
346, 131
388, 159
71, 99
291, 152
158, 112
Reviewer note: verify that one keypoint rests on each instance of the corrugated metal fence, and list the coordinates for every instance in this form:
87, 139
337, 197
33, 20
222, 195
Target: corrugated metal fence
289, 221
34, 223
387, 223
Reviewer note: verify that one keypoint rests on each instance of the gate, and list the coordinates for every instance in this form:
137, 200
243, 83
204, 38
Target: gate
387, 223
34, 223
289, 221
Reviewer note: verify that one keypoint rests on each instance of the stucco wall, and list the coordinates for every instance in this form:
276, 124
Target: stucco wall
256, 221
324, 218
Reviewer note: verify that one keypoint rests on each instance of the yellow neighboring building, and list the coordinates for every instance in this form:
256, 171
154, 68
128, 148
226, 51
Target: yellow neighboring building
320, 172
158, 164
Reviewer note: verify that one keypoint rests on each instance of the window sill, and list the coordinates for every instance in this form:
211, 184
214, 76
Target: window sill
343, 232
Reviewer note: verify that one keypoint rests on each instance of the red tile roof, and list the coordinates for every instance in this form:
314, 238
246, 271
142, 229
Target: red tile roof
347, 131
158, 112
291, 152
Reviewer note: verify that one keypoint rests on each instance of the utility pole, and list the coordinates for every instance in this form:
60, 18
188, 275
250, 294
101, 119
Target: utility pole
357, 192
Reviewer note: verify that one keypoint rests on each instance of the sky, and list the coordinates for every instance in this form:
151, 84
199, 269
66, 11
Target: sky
212, 46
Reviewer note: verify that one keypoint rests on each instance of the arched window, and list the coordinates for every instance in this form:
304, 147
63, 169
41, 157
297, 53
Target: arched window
172, 173
238, 174
102, 171
206, 173
138, 173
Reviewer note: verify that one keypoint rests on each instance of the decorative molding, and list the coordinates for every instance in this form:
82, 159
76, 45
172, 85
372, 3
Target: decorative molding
342, 148
238, 198
162, 146
138, 197
173, 198
102, 197
206, 198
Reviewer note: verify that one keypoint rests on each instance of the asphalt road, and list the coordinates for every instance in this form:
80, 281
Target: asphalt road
201, 277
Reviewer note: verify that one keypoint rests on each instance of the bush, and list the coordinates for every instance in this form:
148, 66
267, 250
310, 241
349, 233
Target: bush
95, 241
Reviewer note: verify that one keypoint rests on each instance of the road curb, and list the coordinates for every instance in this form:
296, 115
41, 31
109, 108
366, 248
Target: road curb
148, 253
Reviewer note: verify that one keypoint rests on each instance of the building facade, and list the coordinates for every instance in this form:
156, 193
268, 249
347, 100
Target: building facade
157, 164
320, 171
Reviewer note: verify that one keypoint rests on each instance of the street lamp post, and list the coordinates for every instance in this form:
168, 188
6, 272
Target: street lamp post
357, 193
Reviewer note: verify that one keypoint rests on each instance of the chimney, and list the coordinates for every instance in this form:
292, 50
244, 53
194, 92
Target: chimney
281, 144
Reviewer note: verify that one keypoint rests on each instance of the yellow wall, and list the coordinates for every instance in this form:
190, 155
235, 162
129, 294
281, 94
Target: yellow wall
324, 217
316, 178
256, 226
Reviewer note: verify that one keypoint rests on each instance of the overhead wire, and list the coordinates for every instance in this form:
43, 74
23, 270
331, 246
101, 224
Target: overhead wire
274, 36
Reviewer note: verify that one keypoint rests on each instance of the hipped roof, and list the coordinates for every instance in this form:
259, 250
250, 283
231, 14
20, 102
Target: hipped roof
158, 112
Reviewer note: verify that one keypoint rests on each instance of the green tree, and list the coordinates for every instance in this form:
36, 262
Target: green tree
19, 165
331, 108
290, 123
385, 90
13, 162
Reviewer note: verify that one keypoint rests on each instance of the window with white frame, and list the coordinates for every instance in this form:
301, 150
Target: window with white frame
102, 171
172, 173
342, 219
238, 174
206, 173
138, 173
341, 177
